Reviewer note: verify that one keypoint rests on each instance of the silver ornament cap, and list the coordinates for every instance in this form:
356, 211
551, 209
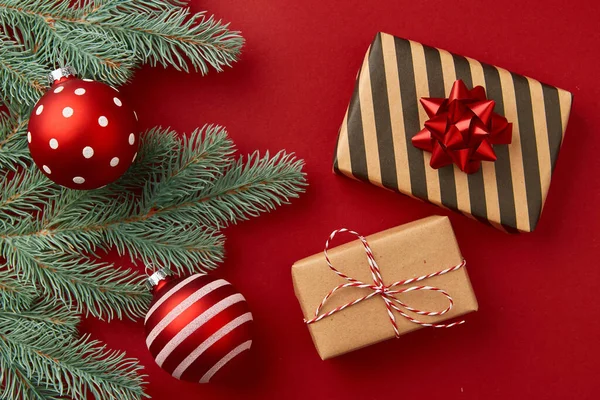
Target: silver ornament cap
158, 276
63, 72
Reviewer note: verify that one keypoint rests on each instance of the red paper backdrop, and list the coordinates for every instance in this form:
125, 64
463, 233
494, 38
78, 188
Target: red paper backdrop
536, 333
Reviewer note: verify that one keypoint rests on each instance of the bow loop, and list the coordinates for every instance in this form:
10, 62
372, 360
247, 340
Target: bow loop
386, 292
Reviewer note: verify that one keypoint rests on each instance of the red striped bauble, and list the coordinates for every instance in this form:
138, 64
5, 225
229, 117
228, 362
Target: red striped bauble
196, 325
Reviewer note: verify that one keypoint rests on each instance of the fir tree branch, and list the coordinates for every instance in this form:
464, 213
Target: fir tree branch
79, 282
91, 53
171, 36
13, 142
48, 29
183, 245
44, 316
159, 146
199, 159
148, 6
246, 190
15, 384
27, 191
95, 38
21, 76
15, 295
71, 367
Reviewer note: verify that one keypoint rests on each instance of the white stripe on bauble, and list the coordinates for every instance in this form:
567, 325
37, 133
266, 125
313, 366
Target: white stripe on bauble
209, 342
196, 324
232, 354
181, 307
170, 293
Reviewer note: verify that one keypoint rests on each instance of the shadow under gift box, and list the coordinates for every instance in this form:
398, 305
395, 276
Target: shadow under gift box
411, 250
374, 143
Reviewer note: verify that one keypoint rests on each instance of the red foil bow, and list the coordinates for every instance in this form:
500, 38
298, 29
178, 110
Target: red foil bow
462, 129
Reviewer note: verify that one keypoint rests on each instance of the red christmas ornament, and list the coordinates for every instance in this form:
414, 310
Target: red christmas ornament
196, 325
82, 134
462, 129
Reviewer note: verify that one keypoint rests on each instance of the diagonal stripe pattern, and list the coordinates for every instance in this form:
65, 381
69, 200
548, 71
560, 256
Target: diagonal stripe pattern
196, 326
374, 142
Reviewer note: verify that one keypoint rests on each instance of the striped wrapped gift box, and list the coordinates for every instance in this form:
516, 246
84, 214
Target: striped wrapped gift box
374, 143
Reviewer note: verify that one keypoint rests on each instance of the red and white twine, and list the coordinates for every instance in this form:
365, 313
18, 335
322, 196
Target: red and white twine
385, 291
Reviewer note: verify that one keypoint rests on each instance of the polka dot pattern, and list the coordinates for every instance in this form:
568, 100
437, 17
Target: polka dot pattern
67, 112
72, 150
88, 152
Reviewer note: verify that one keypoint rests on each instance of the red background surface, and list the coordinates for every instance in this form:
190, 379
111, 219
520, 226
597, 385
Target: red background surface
536, 333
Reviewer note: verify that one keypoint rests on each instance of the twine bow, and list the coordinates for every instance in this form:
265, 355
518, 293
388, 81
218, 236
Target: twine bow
387, 293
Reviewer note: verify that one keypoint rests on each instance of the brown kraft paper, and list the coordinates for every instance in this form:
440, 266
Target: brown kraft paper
414, 249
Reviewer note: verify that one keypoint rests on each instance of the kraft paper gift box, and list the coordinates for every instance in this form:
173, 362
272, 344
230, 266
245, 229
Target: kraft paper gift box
418, 248
374, 143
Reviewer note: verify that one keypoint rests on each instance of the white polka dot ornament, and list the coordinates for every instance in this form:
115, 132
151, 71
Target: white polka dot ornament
198, 328
82, 134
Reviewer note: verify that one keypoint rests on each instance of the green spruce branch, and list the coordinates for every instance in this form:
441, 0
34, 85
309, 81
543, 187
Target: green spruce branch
105, 40
64, 366
78, 282
15, 295
13, 144
22, 77
42, 358
16, 383
44, 316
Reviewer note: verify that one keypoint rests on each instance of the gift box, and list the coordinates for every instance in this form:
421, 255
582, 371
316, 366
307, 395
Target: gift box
418, 264
384, 114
